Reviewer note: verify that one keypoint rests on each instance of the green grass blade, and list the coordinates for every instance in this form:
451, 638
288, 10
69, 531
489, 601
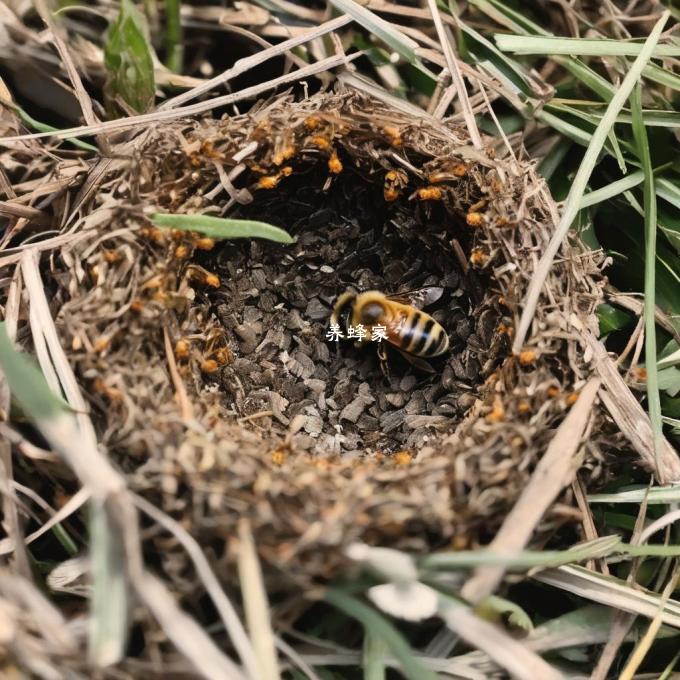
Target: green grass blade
494, 608
525, 559
651, 550
524, 44
514, 21
520, 25
174, 47
655, 495
578, 187
27, 383
668, 671
31, 122
564, 127
128, 61
653, 398
662, 76
381, 628
613, 189
222, 227
110, 601
612, 592
374, 653
672, 359
591, 79
668, 191
509, 67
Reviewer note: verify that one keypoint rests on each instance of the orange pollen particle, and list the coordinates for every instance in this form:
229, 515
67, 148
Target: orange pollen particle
111, 256
181, 252
101, 344
312, 122
430, 194
393, 134
209, 366
279, 457
474, 219
212, 280
268, 182
523, 407
497, 414
403, 458
320, 142
527, 357
182, 349
205, 243
478, 256
223, 355
334, 164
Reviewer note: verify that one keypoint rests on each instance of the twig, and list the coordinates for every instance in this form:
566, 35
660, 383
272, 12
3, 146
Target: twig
11, 209
224, 607
46, 617
255, 602
630, 417
159, 116
636, 306
180, 389
43, 317
589, 528
185, 633
81, 93
640, 651
14, 527
75, 502
247, 63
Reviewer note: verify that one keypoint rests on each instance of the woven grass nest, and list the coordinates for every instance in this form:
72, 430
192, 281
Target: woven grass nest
212, 385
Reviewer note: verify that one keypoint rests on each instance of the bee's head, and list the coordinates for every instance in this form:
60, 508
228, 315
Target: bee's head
342, 312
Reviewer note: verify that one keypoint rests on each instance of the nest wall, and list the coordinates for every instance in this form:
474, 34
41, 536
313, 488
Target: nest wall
211, 383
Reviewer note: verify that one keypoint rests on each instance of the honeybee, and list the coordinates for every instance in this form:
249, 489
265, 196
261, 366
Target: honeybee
397, 319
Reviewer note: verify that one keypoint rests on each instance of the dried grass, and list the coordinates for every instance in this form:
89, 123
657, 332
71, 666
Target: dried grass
122, 299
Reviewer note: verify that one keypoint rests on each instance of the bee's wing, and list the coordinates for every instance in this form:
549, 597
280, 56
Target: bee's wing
419, 363
418, 298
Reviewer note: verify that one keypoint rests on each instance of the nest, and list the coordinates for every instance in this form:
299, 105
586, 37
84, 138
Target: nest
211, 381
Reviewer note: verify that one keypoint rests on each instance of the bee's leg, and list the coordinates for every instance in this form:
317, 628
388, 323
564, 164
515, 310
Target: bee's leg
382, 357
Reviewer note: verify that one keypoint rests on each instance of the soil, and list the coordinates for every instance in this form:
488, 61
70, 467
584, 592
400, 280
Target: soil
275, 301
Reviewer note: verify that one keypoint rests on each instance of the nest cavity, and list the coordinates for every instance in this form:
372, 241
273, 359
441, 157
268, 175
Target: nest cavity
211, 378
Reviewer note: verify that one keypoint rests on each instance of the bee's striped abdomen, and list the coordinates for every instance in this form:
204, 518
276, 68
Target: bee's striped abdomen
439, 342
422, 339
421, 335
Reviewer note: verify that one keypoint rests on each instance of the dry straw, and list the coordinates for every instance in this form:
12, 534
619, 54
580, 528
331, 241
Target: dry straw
126, 299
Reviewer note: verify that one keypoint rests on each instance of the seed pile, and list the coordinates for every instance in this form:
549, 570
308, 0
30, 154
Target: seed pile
275, 302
